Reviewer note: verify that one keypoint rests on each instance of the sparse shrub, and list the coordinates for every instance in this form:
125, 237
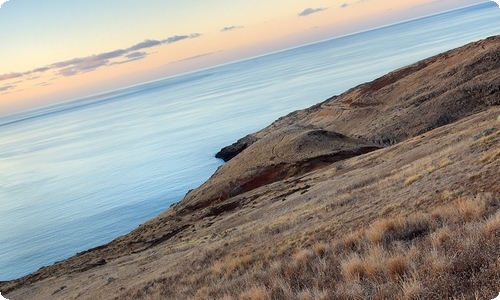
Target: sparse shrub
320, 249
431, 169
375, 264
490, 156
445, 162
412, 288
379, 230
448, 196
255, 293
448, 253
469, 209
303, 256
412, 179
353, 268
397, 267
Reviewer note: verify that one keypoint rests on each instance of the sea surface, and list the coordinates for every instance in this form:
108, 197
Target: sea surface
78, 174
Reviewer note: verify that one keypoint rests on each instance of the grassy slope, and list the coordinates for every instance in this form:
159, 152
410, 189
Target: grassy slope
418, 219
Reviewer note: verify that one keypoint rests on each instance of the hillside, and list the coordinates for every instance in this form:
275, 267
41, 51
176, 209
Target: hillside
389, 190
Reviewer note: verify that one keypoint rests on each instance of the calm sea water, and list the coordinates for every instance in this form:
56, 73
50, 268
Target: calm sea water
78, 174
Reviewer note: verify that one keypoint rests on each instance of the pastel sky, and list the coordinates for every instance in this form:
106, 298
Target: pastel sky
54, 50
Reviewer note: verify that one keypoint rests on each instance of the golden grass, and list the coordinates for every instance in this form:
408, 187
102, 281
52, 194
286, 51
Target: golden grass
488, 138
429, 170
450, 252
490, 156
254, 293
413, 179
358, 233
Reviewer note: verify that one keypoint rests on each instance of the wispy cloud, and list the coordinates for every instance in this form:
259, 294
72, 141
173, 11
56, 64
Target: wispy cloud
144, 44
44, 83
90, 63
345, 4
131, 57
196, 56
6, 88
310, 10
110, 55
86, 64
10, 76
65, 63
152, 43
229, 28
41, 70
31, 77
177, 38
136, 55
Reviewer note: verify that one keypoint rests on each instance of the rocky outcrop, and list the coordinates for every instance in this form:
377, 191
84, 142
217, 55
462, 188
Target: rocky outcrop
234, 149
402, 104
288, 152
411, 100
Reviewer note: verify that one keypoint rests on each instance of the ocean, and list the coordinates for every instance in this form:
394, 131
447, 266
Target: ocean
78, 174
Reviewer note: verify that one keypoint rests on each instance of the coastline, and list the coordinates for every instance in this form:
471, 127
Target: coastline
435, 101
260, 90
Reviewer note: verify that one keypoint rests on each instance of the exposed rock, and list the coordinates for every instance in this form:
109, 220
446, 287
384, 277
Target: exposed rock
402, 104
231, 151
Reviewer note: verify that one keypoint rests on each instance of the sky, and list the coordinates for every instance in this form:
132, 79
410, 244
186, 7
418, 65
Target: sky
55, 50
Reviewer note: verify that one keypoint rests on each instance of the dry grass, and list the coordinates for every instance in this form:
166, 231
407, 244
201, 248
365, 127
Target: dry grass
491, 156
357, 233
413, 179
429, 170
450, 252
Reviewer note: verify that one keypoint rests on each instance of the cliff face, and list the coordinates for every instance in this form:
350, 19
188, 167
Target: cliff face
362, 141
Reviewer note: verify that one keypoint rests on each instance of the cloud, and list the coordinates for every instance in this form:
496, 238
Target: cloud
66, 63
44, 83
229, 28
136, 55
90, 63
310, 10
175, 38
112, 54
41, 70
345, 4
169, 40
6, 87
2, 2
131, 57
144, 44
10, 76
196, 56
